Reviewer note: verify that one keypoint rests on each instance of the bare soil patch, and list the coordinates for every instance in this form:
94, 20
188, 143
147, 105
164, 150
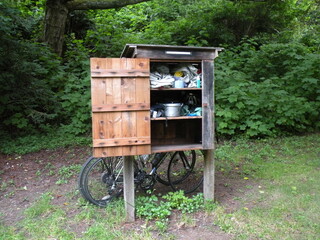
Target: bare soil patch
23, 179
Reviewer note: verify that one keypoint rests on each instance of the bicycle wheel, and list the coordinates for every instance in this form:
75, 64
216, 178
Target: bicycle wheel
185, 171
160, 161
81, 174
101, 180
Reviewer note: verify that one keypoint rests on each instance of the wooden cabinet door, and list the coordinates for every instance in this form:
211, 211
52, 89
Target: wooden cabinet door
120, 94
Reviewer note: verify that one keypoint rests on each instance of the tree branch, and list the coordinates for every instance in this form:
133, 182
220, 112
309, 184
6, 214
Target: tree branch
100, 4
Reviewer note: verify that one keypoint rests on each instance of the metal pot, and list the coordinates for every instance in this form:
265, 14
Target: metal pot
172, 109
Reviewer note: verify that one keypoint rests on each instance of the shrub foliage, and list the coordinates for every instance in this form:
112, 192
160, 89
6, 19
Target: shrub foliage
267, 90
267, 78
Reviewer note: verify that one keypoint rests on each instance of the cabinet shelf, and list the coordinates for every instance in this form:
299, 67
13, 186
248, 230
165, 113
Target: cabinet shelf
175, 89
175, 118
177, 147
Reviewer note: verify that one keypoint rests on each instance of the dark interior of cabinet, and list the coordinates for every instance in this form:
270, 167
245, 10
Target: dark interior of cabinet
181, 96
176, 132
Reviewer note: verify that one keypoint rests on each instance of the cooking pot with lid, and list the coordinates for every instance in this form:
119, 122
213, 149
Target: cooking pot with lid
172, 109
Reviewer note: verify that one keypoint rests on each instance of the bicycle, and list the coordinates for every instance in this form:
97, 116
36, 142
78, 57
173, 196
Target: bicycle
101, 179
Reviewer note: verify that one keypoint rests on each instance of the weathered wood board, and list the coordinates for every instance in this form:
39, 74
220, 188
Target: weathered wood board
208, 105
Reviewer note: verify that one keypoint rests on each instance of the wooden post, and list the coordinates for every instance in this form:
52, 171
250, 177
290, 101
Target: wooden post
128, 174
208, 175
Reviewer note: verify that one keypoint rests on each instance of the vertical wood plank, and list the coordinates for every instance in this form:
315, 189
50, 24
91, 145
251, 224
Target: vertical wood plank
207, 105
128, 174
208, 175
98, 95
115, 118
128, 96
208, 128
143, 96
129, 123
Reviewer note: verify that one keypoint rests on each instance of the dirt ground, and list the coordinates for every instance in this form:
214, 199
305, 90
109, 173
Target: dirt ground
24, 178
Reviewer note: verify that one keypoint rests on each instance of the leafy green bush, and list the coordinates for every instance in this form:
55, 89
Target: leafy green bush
75, 96
179, 201
30, 73
40, 92
151, 207
267, 90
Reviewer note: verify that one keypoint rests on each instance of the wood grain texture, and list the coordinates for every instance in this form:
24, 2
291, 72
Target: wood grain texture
207, 103
176, 147
173, 53
194, 55
208, 175
120, 106
143, 96
121, 141
105, 73
128, 180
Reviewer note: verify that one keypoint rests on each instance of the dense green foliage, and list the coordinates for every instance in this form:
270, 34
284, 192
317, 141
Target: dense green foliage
28, 75
268, 89
267, 78
40, 91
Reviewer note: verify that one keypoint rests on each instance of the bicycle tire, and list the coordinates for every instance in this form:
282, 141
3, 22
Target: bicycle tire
185, 171
81, 174
162, 169
101, 180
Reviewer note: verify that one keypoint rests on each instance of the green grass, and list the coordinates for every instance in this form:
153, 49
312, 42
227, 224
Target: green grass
288, 200
10, 233
280, 200
45, 220
67, 172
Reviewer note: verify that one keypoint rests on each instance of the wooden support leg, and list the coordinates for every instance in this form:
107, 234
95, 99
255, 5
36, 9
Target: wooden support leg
208, 180
128, 175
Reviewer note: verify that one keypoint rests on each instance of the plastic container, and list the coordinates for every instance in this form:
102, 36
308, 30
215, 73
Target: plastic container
179, 84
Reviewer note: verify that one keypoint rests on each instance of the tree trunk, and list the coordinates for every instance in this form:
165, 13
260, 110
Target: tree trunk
57, 14
55, 23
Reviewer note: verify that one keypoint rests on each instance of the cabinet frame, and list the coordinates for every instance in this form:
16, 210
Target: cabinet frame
126, 98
